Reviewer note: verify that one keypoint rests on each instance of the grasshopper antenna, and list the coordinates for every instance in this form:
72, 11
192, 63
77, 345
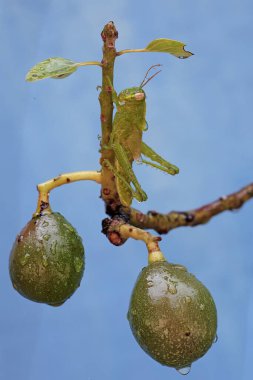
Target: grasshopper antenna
145, 80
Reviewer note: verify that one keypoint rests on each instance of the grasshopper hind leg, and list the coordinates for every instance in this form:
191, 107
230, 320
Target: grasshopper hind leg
160, 163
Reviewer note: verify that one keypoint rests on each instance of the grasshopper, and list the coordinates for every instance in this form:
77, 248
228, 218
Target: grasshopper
126, 142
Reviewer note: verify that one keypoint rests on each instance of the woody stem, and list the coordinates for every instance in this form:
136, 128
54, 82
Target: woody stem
163, 223
108, 190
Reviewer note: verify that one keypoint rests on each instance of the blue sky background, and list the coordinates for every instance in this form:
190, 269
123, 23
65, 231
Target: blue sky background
199, 113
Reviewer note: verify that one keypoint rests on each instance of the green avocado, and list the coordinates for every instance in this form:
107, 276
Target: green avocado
172, 315
47, 260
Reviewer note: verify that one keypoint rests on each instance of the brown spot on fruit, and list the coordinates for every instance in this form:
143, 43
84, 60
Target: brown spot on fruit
20, 238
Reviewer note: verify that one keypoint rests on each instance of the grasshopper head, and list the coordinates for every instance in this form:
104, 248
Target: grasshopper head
136, 95
132, 95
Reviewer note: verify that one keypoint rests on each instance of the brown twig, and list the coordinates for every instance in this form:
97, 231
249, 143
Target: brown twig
163, 223
109, 35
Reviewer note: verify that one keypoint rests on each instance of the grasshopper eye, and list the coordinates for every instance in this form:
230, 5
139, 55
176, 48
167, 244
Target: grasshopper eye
139, 96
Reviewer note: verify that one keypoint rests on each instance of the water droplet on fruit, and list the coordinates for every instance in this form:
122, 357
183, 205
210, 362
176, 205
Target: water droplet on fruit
215, 339
44, 261
24, 259
172, 287
187, 299
53, 248
78, 264
46, 237
70, 228
184, 370
181, 267
56, 304
150, 284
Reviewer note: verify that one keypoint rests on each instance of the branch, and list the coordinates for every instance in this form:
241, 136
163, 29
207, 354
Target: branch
163, 223
109, 35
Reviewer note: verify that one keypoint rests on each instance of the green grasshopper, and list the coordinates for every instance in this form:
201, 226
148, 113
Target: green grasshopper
126, 141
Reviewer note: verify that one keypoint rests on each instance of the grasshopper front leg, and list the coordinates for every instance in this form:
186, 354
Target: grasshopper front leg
164, 165
114, 93
126, 166
124, 190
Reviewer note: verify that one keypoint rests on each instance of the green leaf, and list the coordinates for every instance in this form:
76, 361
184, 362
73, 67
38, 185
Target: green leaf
164, 45
56, 68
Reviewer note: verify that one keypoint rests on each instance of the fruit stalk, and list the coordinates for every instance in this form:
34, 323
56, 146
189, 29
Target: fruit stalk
43, 206
118, 231
151, 241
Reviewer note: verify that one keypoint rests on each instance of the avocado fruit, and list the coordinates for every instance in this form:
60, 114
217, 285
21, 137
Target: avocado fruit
172, 315
47, 260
